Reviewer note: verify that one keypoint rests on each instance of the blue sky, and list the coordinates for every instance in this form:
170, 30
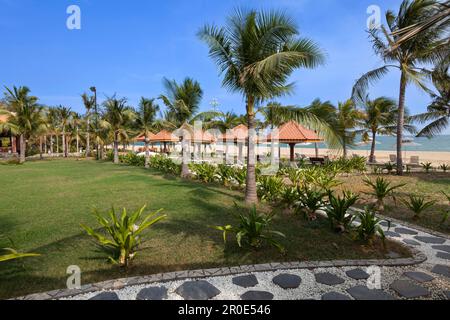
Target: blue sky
127, 47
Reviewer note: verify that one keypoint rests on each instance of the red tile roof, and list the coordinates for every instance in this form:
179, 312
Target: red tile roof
292, 132
239, 133
164, 136
142, 138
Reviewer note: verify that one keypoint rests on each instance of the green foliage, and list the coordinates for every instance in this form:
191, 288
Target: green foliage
164, 164
132, 159
427, 166
204, 172
370, 226
418, 204
381, 189
253, 229
269, 188
389, 167
289, 197
12, 254
310, 200
225, 174
444, 167
337, 210
110, 155
125, 232
322, 177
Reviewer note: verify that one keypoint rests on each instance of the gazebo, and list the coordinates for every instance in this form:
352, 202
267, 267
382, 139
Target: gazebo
238, 135
198, 137
292, 134
164, 137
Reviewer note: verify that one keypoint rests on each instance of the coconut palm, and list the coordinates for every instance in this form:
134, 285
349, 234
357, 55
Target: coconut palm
25, 116
116, 115
89, 104
257, 52
145, 122
439, 110
65, 116
426, 47
52, 121
182, 102
326, 112
348, 118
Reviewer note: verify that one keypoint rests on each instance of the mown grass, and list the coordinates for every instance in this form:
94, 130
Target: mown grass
428, 185
43, 203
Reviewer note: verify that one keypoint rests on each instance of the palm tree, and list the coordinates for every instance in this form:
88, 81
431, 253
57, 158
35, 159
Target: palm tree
348, 118
257, 52
326, 112
182, 102
65, 115
25, 116
439, 110
89, 104
116, 115
379, 118
145, 122
52, 122
425, 47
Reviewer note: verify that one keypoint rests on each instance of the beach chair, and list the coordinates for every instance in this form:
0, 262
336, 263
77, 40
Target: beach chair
415, 161
392, 158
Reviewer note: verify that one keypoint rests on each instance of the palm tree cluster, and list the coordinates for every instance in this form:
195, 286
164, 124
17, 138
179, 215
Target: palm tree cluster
256, 53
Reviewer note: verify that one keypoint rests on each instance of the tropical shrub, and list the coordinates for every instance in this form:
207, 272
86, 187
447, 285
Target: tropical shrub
337, 211
310, 199
253, 229
370, 226
164, 164
269, 188
427, 166
289, 197
418, 204
204, 172
444, 167
381, 189
239, 177
124, 231
225, 174
389, 167
132, 159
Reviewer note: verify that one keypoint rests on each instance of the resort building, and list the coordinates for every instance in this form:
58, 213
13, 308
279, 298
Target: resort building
9, 145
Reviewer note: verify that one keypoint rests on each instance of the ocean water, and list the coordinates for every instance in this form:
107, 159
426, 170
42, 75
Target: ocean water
389, 143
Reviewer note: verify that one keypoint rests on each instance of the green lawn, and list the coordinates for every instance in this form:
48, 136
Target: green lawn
43, 203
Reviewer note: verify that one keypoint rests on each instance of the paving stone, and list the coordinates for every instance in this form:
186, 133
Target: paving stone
406, 231
447, 294
392, 234
287, 281
335, 296
442, 270
419, 276
385, 224
411, 242
197, 290
358, 274
328, 279
431, 240
106, 296
152, 293
246, 281
364, 293
443, 255
442, 248
257, 295
408, 289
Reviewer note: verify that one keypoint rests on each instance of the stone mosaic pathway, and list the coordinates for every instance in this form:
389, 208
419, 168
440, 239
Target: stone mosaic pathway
428, 280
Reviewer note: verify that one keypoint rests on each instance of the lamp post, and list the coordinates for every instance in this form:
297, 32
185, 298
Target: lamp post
94, 90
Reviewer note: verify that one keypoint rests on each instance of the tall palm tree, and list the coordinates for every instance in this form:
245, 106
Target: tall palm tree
439, 110
379, 118
25, 116
53, 127
89, 104
65, 115
425, 47
145, 122
182, 102
257, 52
326, 112
116, 115
348, 118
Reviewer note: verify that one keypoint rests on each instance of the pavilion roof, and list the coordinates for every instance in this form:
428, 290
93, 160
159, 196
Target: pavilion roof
239, 133
292, 132
142, 137
164, 136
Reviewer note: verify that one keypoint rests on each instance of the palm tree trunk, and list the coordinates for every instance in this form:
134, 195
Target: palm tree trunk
41, 157
185, 156
57, 145
147, 153
116, 148
78, 142
88, 138
64, 143
51, 144
45, 144
22, 148
372, 150
251, 196
400, 124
